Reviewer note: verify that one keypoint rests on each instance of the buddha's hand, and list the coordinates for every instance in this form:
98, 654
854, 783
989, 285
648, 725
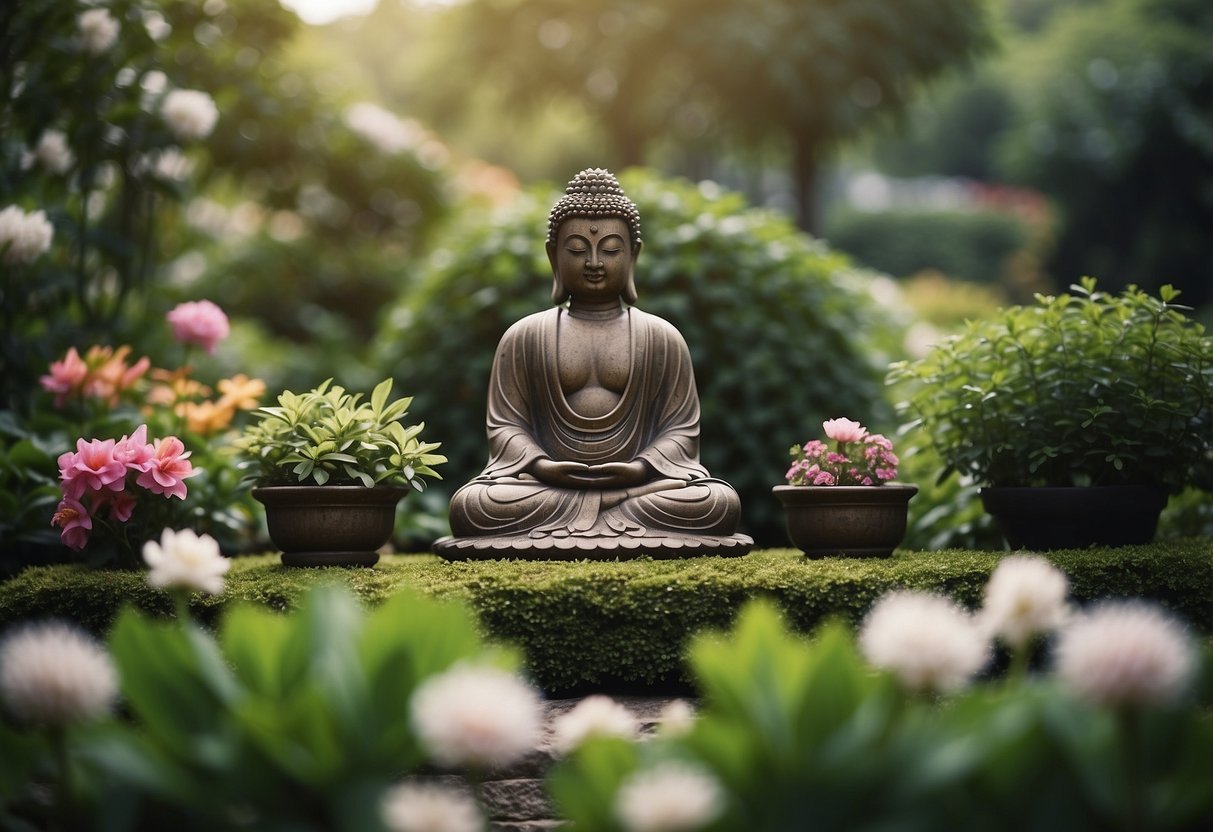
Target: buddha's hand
579, 475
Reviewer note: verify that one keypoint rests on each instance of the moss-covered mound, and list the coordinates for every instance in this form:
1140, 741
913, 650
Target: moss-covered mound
616, 625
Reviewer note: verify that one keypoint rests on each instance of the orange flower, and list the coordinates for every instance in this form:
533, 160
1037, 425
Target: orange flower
241, 392
109, 374
205, 418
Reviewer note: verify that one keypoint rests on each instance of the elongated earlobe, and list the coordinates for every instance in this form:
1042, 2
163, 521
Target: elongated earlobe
559, 293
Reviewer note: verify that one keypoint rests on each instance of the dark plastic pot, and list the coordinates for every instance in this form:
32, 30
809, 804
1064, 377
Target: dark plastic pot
1075, 518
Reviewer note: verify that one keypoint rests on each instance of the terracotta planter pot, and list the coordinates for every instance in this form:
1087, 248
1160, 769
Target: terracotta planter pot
1075, 518
329, 525
858, 521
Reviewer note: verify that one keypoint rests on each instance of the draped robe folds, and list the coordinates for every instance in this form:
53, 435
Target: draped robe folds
656, 420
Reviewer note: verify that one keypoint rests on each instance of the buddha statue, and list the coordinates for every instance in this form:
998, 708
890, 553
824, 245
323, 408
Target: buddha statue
593, 415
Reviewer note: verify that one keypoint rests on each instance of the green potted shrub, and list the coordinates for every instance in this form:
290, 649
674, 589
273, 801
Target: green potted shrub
330, 469
840, 498
1078, 414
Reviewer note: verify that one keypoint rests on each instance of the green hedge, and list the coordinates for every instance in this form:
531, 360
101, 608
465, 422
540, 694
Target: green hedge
625, 625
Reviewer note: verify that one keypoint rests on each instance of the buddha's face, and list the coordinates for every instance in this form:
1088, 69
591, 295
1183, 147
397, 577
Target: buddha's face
593, 258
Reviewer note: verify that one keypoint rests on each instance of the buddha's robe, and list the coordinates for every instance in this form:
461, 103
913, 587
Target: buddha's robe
655, 420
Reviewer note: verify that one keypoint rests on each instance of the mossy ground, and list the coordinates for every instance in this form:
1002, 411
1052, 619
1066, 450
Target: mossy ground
625, 624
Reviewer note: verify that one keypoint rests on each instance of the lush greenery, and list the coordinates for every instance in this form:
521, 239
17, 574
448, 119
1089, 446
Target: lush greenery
783, 333
588, 625
1082, 388
273, 722
762, 75
329, 436
1100, 105
975, 246
799, 733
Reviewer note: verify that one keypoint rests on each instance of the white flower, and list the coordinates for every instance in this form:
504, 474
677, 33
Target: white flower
53, 674
474, 715
27, 236
414, 807
157, 27
381, 127
1125, 653
592, 716
926, 640
669, 797
170, 165
677, 718
190, 114
53, 152
185, 560
1025, 597
98, 31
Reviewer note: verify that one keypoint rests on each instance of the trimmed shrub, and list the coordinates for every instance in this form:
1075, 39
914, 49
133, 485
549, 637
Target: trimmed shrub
782, 331
969, 245
625, 625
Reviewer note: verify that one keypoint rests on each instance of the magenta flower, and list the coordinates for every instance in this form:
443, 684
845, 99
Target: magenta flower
74, 521
66, 377
168, 469
200, 323
844, 430
91, 468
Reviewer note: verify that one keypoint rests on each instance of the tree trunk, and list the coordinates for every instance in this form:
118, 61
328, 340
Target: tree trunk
804, 182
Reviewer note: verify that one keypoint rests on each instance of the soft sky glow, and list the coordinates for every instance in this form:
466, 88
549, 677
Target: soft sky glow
326, 11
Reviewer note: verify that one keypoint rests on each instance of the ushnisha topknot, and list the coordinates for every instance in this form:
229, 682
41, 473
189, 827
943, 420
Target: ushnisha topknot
594, 193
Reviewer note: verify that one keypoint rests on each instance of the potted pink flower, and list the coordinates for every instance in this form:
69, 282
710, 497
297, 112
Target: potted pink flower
840, 498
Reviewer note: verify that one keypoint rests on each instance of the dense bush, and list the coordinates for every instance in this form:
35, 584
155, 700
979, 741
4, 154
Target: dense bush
782, 332
626, 624
970, 245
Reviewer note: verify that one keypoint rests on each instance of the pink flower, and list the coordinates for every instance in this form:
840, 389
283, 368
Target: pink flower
121, 504
66, 377
844, 430
823, 478
201, 323
91, 468
73, 519
814, 447
886, 473
168, 468
134, 451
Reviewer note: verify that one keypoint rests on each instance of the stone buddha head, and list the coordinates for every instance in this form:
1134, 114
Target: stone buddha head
593, 238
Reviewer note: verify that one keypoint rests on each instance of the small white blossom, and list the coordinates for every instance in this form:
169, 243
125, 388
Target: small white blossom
98, 31
381, 127
474, 715
1125, 653
24, 237
593, 716
1025, 597
677, 718
189, 114
926, 640
53, 153
670, 797
157, 27
185, 560
169, 165
53, 674
413, 807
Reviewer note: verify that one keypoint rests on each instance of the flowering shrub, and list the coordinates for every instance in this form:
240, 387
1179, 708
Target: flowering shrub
803, 733
304, 720
856, 458
101, 480
105, 475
